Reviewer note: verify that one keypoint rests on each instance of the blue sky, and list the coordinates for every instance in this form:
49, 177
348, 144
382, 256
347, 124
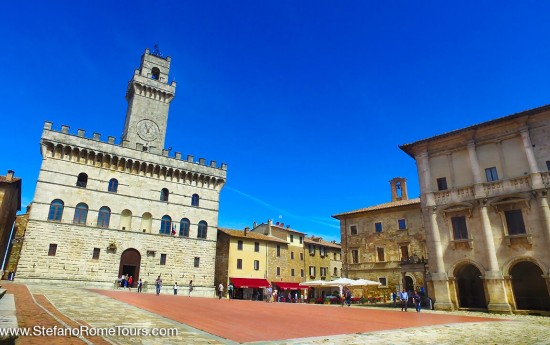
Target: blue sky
306, 101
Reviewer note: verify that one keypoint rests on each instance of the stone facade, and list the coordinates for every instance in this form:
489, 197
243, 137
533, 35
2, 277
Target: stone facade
103, 209
484, 200
386, 243
10, 203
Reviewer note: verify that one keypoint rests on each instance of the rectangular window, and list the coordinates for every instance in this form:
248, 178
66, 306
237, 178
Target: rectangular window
291, 238
278, 250
323, 272
380, 254
256, 265
239, 264
301, 240
404, 253
514, 222
311, 248
548, 165
291, 255
321, 251
292, 272
302, 273
278, 271
383, 281
239, 245
442, 183
256, 246
52, 250
460, 231
163, 259
353, 229
197, 261
378, 227
355, 256
491, 174
95, 254
301, 256
312, 271
335, 257
402, 224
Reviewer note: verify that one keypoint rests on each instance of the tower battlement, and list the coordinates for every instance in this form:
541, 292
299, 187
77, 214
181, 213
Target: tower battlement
80, 139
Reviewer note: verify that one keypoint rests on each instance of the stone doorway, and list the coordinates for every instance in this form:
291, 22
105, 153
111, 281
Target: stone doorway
471, 293
529, 287
409, 284
130, 261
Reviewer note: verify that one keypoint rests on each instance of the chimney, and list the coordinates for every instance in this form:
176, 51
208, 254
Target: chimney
254, 225
9, 176
246, 230
269, 223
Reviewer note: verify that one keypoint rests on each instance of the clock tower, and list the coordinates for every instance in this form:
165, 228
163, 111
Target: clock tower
149, 95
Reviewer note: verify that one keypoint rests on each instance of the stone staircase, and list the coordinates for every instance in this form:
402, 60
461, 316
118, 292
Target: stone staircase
8, 319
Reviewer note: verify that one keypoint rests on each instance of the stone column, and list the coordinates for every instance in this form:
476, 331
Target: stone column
494, 281
425, 177
545, 214
436, 263
536, 179
476, 171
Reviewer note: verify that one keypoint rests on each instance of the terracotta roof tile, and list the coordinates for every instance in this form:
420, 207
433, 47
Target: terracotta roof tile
381, 206
250, 234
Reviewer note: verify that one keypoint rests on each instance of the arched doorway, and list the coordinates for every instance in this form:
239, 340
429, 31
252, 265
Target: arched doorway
529, 287
471, 293
409, 283
130, 261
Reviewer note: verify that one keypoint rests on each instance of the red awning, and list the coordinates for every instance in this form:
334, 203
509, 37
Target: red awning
289, 286
249, 282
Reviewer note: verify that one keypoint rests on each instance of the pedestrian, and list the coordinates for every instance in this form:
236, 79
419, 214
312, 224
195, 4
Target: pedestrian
139, 285
230, 288
269, 291
416, 301
348, 297
220, 290
190, 287
404, 300
126, 281
158, 284
175, 288
119, 282
130, 283
394, 298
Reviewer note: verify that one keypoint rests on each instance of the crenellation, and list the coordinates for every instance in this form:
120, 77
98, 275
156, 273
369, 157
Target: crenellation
202, 161
48, 125
97, 136
212, 164
190, 158
177, 155
111, 140
81, 133
64, 129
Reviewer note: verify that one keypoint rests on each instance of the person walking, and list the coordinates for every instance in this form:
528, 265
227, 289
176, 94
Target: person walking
404, 300
130, 283
190, 287
230, 288
348, 297
220, 291
416, 301
394, 298
139, 285
158, 284
175, 288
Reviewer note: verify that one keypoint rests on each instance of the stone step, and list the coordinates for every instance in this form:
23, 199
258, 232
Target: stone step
8, 319
2, 292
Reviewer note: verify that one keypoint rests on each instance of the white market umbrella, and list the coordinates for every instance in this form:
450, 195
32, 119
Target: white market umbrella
340, 282
314, 283
365, 282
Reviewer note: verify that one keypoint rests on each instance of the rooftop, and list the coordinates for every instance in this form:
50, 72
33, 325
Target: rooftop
250, 235
381, 207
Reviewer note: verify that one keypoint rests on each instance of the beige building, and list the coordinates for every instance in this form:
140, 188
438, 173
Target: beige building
10, 203
103, 209
484, 199
248, 260
323, 261
385, 243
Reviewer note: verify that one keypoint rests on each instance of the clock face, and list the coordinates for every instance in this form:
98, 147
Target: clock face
148, 130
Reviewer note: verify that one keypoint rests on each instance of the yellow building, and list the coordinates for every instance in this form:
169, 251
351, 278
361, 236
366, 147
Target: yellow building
243, 259
322, 262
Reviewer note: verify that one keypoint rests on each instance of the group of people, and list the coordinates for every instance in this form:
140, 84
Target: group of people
346, 296
158, 286
404, 298
125, 281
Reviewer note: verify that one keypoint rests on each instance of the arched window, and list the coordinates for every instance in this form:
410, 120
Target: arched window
113, 185
164, 194
80, 213
165, 225
155, 73
195, 200
82, 180
201, 233
335, 272
184, 227
56, 210
103, 217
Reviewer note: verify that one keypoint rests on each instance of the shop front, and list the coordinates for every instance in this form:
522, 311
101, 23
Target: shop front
249, 288
290, 292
